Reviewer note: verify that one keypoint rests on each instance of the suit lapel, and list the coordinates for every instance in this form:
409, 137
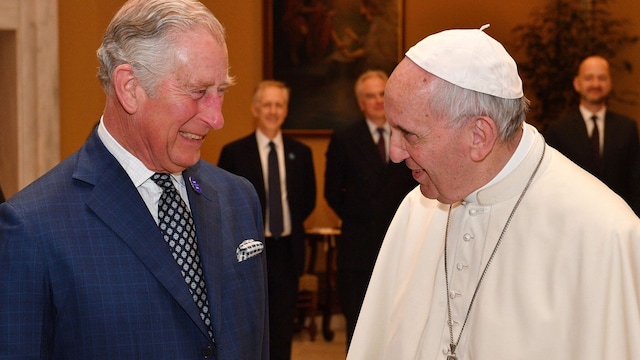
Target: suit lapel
254, 168
290, 163
612, 134
208, 219
582, 142
364, 142
131, 220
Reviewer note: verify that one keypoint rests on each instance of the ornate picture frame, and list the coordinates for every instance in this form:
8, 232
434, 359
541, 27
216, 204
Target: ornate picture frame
320, 47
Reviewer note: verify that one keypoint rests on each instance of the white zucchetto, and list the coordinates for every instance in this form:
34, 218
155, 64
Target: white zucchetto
470, 59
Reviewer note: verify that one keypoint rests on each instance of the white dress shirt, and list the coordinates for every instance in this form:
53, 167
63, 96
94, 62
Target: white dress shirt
139, 174
586, 116
264, 149
373, 129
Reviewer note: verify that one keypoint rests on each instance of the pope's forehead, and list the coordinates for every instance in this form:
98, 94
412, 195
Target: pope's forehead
408, 77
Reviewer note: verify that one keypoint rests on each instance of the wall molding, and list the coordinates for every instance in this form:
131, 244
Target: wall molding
29, 91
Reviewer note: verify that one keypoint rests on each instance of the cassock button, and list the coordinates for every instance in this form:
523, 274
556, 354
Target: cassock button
207, 352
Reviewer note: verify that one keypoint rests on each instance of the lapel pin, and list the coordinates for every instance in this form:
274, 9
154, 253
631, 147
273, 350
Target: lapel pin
292, 156
195, 185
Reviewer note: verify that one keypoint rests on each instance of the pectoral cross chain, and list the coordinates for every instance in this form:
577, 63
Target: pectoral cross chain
452, 353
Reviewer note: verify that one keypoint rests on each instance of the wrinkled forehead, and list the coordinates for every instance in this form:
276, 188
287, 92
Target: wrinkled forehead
407, 90
407, 80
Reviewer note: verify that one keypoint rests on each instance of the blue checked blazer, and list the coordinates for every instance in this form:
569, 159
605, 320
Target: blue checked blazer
86, 274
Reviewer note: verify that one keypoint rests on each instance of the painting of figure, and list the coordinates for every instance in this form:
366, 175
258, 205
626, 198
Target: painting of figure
320, 47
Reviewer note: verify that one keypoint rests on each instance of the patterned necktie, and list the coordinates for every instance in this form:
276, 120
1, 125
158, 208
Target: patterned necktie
275, 195
176, 223
595, 143
381, 145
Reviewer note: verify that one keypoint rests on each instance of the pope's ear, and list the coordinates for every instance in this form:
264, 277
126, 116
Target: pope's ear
126, 87
484, 134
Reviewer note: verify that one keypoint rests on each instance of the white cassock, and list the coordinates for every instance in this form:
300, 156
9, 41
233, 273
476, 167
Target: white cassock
564, 282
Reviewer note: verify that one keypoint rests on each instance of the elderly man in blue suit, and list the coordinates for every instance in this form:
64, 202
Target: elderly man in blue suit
90, 266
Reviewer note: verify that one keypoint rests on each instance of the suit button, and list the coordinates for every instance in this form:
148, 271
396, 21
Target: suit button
207, 352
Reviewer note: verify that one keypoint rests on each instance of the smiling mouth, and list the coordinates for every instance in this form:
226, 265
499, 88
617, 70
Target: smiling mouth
191, 136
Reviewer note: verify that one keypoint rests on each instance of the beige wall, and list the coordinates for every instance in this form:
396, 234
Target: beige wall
83, 21
29, 89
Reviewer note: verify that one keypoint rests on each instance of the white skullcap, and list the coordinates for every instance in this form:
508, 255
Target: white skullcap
470, 59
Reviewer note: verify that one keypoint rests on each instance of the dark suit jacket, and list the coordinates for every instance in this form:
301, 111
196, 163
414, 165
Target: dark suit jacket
85, 272
619, 155
241, 157
365, 194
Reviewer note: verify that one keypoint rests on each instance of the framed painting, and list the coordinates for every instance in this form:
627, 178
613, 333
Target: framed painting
320, 47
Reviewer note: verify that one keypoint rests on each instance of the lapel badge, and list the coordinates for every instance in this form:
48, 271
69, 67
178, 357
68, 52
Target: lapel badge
195, 185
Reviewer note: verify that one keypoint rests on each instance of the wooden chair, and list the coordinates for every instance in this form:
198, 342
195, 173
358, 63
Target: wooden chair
307, 304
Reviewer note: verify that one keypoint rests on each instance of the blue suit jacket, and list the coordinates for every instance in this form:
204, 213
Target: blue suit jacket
86, 274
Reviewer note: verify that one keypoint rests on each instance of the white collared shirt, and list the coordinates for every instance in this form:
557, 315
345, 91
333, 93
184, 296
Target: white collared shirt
586, 116
373, 129
139, 174
264, 149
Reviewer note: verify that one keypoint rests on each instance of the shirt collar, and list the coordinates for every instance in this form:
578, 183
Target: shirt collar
524, 148
373, 128
263, 140
131, 164
586, 114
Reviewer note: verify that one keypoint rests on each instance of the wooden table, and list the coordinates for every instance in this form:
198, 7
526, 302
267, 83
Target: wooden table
325, 237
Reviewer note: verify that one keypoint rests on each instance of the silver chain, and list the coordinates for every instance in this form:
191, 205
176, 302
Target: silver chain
454, 345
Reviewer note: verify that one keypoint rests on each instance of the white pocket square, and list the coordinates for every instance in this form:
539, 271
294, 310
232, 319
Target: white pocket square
248, 248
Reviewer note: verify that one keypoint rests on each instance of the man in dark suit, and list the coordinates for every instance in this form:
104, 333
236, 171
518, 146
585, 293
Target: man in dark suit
91, 266
600, 141
296, 198
364, 188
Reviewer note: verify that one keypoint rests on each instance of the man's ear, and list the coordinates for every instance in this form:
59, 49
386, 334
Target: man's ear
254, 110
126, 87
484, 133
576, 85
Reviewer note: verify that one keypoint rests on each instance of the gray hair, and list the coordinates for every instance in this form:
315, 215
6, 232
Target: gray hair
257, 93
143, 32
460, 104
366, 75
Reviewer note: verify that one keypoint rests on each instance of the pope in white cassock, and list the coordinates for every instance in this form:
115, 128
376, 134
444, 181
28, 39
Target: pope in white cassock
506, 250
